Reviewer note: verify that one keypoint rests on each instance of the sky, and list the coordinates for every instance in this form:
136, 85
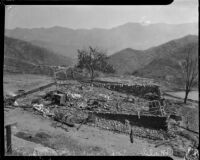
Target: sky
91, 16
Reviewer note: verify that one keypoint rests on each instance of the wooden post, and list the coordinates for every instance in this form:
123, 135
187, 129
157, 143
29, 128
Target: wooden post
8, 139
131, 135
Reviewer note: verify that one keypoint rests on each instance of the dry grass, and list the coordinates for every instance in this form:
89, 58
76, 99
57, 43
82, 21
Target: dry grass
62, 144
14, 82
73, 147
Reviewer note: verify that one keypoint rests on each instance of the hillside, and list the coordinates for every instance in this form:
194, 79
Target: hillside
21, 56
66, 41
127, 60
167, 57
158, 62
59, 49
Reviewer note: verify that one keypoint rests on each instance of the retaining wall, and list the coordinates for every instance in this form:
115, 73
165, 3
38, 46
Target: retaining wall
151, 122
136, 90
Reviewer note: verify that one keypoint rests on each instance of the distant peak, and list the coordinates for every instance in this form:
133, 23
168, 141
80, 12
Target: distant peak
139, 24
17, 28
131, 24
58, 27
128, 49
146, 23
127, 25
191, 35
188, 37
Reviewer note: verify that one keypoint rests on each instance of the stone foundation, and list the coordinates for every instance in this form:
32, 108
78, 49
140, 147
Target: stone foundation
145, 127
151, 122
135, 90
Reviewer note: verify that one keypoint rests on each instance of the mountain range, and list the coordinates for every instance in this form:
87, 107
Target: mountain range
152, 51
66, 41
21, 56
167, 58
161, 62
132, 59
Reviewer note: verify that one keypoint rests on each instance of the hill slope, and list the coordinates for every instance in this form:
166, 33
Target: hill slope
167, 57
128, 60
66, 41
156, 62
22, 56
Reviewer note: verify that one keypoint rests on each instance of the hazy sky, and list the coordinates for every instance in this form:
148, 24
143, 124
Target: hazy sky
77, 16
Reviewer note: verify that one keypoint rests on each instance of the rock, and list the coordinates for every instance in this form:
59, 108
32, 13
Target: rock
38, 106
46, 103
92, 102
16, 104
105, 96
82, 105
44, 151
74, 95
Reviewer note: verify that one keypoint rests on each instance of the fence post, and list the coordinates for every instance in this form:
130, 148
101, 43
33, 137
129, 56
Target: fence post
8, 139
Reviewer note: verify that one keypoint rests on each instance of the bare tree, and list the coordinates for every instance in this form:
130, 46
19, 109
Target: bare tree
94, 60
189, 70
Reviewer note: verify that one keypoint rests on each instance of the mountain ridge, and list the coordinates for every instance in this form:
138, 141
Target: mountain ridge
161, 62
136, 59
23, 56
129, 35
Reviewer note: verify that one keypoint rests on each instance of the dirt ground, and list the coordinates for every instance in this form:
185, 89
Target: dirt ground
61, 141
14, 82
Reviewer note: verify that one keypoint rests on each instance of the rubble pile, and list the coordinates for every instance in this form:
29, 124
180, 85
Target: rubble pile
78, 99
96, 99
43, 110
71, 103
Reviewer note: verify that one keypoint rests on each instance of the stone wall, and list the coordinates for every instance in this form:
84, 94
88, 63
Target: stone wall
151, 122
135, 90
142, 127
